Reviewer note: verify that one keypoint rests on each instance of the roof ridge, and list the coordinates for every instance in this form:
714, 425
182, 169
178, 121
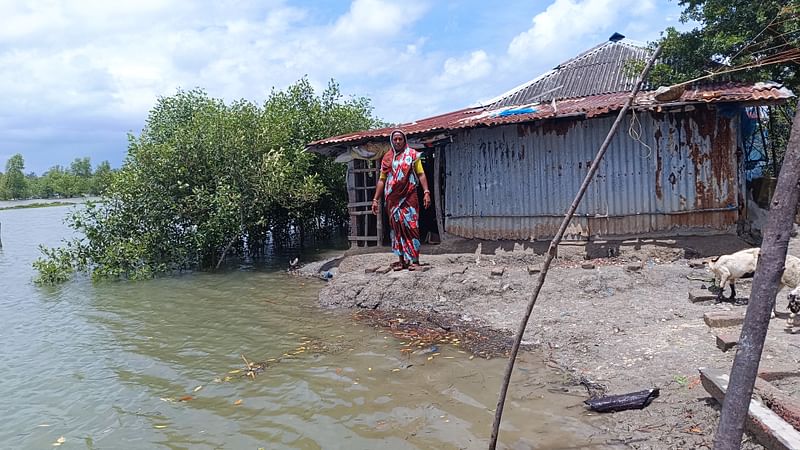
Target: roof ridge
616, 50
626, 42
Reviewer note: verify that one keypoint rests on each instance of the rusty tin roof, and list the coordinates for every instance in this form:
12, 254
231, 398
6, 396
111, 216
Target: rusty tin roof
588, 106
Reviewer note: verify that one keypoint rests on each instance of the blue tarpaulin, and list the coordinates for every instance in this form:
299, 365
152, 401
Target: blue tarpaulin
514, 112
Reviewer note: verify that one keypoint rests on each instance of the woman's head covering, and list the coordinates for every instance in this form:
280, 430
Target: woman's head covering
391, 139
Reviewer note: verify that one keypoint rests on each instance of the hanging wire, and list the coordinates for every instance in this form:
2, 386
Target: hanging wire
789, 55
757, 35
785, 14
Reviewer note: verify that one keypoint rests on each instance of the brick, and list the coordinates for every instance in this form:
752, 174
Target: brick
634, 267
723, 319
587, 265
701, 295
383, 270
533, 270
726, 341
498, 271
371, 269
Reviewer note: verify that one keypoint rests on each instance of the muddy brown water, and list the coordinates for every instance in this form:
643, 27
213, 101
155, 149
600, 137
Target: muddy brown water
157, 364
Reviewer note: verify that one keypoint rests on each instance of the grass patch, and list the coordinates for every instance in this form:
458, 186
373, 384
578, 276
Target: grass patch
37, 205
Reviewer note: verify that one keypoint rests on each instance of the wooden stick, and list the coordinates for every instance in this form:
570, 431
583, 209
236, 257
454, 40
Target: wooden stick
766, 284
554, 245
250, 370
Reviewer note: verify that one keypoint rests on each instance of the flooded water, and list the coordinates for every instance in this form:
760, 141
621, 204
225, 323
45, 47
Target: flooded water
158, 364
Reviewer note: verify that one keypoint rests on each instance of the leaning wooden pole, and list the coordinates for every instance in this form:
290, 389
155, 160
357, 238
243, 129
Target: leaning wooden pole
766, 284
551, 252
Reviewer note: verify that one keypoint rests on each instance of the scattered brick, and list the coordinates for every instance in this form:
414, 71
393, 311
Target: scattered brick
726, 341
634, 267
723, 319
701, 295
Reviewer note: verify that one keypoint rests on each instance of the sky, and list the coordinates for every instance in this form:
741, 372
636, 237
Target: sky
77, 77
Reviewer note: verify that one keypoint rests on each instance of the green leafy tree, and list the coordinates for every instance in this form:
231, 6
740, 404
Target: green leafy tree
14, 180
737, 40
733, 34
101, 178
81, 167
206, 179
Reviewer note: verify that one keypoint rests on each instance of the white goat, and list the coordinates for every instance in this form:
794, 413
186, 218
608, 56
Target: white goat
729, 268
791, 278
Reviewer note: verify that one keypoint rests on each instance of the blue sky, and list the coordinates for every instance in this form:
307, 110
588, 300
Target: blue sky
76, 77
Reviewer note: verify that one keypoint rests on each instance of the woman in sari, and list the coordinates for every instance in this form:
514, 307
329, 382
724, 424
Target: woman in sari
401, 172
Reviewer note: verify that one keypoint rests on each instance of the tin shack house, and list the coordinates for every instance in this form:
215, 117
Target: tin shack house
508, 170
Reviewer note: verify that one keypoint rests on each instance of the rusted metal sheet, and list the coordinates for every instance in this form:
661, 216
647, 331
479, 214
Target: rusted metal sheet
574, 108
516, 182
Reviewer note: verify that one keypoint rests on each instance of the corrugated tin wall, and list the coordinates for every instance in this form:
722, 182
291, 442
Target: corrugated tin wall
516, 181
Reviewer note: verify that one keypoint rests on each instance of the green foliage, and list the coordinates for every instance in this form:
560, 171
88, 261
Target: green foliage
207, 179
732, 33
58, 181
56, 267
101, 178
14, 182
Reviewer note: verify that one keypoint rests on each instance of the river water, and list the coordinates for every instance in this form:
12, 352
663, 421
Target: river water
154, 365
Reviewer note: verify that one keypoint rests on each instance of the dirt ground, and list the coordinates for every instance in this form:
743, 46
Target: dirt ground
625, 322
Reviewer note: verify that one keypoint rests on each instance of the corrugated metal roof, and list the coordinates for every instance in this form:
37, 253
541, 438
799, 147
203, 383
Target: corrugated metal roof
589, 106
600, 70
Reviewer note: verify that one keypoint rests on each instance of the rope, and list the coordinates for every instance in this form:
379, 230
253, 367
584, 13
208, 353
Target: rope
635, 132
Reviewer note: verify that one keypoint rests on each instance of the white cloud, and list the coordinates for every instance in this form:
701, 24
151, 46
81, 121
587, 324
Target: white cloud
469, 68
96, 67
375, 19
564, 23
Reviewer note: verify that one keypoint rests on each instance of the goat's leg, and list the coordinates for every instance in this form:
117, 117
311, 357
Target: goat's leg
723, 280
775, 305
733, 291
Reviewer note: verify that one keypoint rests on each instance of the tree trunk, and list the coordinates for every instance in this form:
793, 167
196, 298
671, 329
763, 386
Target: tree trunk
766, 284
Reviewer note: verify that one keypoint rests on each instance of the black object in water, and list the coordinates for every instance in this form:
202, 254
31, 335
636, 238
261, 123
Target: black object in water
633, 400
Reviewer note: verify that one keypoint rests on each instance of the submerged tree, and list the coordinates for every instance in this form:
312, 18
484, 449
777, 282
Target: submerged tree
207, 179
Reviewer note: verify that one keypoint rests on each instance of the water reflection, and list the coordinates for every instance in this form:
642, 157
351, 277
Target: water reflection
149, 365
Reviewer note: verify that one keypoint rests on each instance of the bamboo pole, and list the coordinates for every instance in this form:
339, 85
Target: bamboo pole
766, 284
554, 245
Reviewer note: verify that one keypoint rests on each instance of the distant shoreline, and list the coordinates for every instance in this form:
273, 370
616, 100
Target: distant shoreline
43, 203
37, 205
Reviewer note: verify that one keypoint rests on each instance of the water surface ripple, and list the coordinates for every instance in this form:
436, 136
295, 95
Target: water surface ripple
106, 366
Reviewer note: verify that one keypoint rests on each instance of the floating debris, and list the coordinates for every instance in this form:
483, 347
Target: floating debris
422, 333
